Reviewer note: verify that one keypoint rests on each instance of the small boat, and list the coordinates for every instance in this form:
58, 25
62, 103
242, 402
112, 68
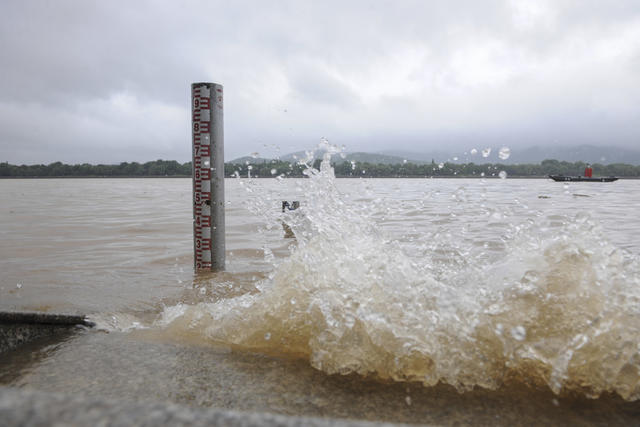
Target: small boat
583, 178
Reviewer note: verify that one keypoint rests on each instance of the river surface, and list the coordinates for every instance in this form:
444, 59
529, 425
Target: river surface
475, 284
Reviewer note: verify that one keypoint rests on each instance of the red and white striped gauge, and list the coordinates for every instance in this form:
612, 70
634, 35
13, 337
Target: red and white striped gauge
208, 176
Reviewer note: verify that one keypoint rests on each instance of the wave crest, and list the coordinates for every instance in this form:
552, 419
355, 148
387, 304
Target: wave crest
560, 309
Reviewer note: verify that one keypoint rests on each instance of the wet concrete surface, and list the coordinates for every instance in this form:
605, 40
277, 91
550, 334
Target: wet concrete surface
143, 369
33, 408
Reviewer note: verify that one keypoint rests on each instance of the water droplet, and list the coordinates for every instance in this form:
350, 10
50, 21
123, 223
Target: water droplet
482, 174
504, 153
519, 333
250, 167
455, 159
274, 171
404, 161
440, 165
293, 301
19, 285
474, 151
503, 175
267, 336
268, 254
203, 290
408, 400
255, 154
486, 152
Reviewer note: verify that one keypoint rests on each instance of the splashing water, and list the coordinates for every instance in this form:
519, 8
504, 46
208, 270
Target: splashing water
504, 153
559, 309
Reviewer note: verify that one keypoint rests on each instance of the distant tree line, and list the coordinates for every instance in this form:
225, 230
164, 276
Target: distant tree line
410, 170
58, 169
342, 169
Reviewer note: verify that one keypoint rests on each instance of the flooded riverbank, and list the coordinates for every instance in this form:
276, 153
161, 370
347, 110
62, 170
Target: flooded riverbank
517, 293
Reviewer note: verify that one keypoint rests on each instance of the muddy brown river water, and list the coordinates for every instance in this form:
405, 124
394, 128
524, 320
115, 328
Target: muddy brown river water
497, 301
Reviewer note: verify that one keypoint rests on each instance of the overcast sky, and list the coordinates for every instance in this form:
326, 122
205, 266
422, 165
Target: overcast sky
108, 81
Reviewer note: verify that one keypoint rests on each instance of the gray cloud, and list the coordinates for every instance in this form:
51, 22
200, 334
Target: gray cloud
109, 81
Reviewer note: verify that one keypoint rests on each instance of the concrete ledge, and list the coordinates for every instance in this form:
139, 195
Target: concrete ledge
23, 407
17, 328
37, 318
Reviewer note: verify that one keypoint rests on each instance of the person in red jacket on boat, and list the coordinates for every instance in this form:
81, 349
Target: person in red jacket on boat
588, 172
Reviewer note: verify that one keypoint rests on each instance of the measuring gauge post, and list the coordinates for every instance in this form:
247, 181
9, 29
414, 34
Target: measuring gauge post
208, 176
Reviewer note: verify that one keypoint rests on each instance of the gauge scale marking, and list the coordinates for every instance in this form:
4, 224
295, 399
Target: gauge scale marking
208, 206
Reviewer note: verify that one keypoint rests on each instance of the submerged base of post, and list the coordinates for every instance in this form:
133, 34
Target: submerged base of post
286, 206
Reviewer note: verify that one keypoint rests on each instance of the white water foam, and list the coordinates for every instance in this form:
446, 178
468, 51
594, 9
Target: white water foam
559, 307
